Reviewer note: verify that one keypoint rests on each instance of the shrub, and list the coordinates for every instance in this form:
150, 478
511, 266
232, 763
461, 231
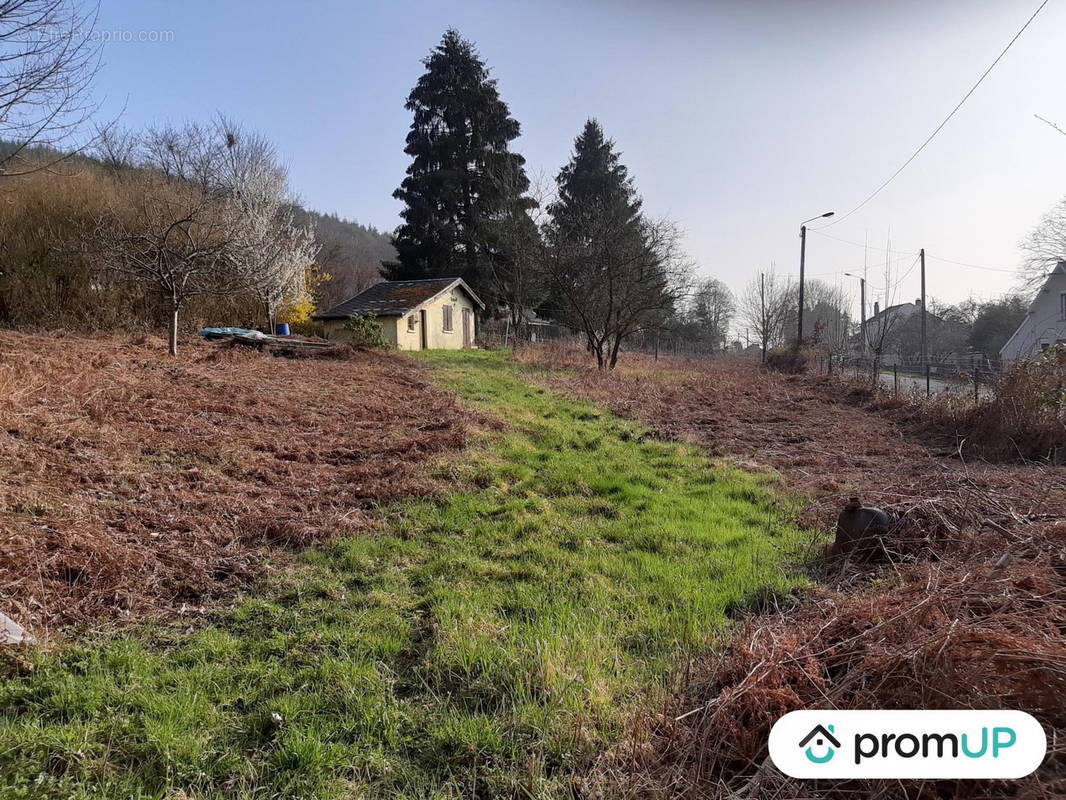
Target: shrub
1023, 418
365, 332
788, 360
1027, 411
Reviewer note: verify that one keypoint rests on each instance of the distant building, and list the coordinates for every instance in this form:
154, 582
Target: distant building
1044, 325
431, 314
883, 328
889, 318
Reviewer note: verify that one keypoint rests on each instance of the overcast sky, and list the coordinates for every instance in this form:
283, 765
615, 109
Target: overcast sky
738, 119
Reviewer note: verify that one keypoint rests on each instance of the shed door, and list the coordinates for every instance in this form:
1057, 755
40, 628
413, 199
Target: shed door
424, 328
466, 327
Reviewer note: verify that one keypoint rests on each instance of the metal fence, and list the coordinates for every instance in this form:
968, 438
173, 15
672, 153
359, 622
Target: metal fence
972, 374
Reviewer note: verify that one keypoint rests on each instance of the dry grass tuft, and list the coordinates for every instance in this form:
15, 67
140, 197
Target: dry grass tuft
1024, 416
131, 482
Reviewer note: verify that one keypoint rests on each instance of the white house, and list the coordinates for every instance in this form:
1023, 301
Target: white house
428, 314
1044, 325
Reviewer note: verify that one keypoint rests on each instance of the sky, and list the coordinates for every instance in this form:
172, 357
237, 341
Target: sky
739, 120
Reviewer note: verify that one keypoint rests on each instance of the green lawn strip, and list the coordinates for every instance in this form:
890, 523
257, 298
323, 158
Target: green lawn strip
489, 643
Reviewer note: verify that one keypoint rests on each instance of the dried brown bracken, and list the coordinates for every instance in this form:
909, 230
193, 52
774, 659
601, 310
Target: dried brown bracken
132, 482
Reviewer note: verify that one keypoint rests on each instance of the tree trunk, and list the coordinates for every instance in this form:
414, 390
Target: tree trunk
174, 328
614, 351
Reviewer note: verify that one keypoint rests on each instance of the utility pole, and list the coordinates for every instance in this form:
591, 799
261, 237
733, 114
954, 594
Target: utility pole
925, 361
763, 335
862, 313
803, 252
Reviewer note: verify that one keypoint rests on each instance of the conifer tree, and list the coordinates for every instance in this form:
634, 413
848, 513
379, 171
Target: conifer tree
463, 178
594, 184
614, 273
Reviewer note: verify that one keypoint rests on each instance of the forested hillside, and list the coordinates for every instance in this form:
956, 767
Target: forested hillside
351, 254
51, 275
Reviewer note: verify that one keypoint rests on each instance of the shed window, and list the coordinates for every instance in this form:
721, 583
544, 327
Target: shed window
1062, 304
411, 323
448, 319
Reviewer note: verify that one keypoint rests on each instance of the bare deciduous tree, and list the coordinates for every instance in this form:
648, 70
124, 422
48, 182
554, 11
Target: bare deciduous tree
886, 321
616, 278
177, 240
209, 214
271, 251
179, 233
1045, 246
712, 308
48, 59
827, 313
115, 147
765, 305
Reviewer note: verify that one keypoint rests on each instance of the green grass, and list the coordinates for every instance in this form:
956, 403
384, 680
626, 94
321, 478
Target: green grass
485, 645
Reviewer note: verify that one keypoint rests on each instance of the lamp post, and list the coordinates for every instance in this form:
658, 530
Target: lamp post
803, 253
862, 309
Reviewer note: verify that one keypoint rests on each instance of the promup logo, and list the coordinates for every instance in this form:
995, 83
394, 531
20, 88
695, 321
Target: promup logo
822, 733
907, 744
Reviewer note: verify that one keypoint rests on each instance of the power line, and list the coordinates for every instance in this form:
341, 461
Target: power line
939, 127
964, 264
820, 232
909, 253
903, 277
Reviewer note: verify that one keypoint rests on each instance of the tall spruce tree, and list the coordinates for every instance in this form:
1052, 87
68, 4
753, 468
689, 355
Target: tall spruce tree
594, 184
463, 179
614, 273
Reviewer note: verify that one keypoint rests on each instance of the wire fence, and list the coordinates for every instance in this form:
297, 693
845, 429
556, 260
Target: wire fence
971, 373
962, 374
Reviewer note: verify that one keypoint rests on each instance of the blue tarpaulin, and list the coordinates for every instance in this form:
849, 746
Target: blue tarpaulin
213, 333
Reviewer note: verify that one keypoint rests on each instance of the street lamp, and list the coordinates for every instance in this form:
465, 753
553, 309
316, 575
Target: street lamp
862, 309
803, 251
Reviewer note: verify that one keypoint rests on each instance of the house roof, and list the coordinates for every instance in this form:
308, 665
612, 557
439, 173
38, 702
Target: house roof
1027, 321
396, 298
884, 312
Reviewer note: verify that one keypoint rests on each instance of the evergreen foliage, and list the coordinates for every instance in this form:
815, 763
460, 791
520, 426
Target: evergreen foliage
614, 273
463, 180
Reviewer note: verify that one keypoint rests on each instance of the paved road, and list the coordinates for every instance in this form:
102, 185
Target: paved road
909, 382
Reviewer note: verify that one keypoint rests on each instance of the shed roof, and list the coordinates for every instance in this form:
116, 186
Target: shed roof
396, 298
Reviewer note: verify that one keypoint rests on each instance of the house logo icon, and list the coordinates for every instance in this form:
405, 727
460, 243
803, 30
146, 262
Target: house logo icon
823, 737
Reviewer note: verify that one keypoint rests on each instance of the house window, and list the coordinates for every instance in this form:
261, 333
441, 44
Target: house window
411, 324
447, 319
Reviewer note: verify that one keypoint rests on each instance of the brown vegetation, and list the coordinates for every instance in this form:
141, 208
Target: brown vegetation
132, 482
967, 612
49, 278
1022, 417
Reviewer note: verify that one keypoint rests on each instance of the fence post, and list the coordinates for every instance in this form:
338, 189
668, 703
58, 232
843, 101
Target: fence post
976, 394
895, 378
927, 379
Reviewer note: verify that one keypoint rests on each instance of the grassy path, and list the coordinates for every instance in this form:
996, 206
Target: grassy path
485, 645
